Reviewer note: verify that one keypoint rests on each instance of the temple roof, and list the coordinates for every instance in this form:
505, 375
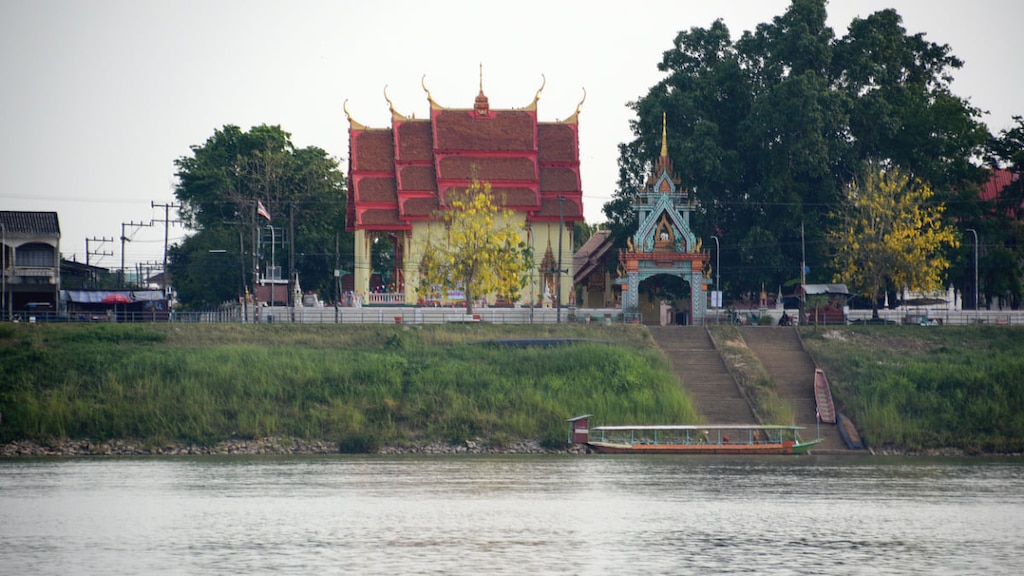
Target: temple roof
406, 171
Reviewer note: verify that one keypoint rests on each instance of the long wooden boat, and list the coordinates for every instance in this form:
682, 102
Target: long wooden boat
849, 433
689, 439
823, 398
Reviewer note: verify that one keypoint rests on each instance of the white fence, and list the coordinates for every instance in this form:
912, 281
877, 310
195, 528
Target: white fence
427, 315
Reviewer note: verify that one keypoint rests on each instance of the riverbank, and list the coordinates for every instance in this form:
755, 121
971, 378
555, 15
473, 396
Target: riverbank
264, 446
219, 389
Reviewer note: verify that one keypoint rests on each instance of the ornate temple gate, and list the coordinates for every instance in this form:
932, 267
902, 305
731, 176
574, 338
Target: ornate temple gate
663, 242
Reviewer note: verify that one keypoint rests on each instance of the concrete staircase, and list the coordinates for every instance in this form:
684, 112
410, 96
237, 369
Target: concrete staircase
703, 374
792, 369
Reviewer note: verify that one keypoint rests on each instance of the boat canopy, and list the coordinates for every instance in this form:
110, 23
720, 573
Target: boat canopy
661, 427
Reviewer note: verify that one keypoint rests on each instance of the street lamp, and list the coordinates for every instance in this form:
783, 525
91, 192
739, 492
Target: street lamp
718, 271
976, 311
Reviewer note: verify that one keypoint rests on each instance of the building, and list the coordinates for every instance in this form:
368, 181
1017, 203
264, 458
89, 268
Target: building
30, 261
663, 248
399, 177
593, 272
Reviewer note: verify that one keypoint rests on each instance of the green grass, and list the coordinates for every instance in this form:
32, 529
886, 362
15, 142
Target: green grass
918, 387
362, 386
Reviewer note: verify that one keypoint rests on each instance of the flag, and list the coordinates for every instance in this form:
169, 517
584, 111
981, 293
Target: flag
261, 210
817, 415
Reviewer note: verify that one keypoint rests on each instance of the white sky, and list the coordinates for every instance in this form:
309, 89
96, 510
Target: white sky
99, 97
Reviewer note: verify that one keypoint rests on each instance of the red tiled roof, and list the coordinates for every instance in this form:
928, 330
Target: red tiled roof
487, 169
1000, 178
377, 218
557, 143
518, 156
419, 207
503, 131
420, 178
371, 189
373, 151
571, 209
415, 141
558, 180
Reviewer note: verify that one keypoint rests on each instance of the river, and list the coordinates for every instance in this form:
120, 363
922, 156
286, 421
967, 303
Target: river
511, 515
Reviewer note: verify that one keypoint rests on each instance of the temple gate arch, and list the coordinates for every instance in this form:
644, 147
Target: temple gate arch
664, 242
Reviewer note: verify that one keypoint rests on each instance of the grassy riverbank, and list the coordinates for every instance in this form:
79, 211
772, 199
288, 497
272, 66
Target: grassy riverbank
920, 388
361, 386
367, 386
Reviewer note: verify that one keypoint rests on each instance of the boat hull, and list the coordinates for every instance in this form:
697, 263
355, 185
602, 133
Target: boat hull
744, 449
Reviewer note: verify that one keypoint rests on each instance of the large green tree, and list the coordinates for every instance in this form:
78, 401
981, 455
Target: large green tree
769, 130
219, 188
1001, 227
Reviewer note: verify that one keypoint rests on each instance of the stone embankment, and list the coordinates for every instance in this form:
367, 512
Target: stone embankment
268, 446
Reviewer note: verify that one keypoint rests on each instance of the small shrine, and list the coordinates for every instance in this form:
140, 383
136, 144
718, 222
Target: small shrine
663, 242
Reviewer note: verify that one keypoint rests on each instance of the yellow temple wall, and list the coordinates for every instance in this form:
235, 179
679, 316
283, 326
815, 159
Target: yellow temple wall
537, 237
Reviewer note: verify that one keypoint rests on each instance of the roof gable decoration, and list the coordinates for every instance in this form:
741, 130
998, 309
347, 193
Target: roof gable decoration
664, 215
664, 229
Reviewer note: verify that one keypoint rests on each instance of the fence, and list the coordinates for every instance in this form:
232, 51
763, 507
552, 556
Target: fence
431, 315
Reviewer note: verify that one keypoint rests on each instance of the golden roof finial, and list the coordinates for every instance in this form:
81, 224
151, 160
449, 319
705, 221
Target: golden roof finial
395, 114
533, 105
481, 77
576, 115
423, 83
352, 123
664, 139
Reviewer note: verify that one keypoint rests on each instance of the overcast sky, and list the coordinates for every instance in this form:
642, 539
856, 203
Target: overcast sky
98, 98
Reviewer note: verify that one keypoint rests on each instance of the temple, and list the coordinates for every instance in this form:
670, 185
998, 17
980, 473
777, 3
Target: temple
399, 177
663, 245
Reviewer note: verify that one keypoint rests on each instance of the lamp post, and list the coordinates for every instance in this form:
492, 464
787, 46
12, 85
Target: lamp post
975, 232
718, 272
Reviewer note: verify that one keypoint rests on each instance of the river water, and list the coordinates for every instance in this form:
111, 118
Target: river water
511, 515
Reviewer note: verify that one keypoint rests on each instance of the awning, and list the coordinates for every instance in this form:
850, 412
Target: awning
98, 296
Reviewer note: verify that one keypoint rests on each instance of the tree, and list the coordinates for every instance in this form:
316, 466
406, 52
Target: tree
483, 252
889, 231
768, 131
219, 186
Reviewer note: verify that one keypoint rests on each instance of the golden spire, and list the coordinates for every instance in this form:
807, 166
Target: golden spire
664, 140
481, 105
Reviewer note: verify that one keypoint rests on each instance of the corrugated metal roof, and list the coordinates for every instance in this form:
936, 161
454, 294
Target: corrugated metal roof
30, 223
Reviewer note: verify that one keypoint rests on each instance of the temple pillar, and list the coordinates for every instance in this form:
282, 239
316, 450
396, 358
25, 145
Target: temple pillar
631, 297
361, 284
698, 297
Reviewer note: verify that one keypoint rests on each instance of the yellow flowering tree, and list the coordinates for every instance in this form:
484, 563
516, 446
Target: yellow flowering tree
483, 252
888, 229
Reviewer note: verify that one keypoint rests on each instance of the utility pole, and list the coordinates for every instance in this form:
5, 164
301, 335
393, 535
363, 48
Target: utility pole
89, 252
803, 269
125, 238
167, 221
976, 310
